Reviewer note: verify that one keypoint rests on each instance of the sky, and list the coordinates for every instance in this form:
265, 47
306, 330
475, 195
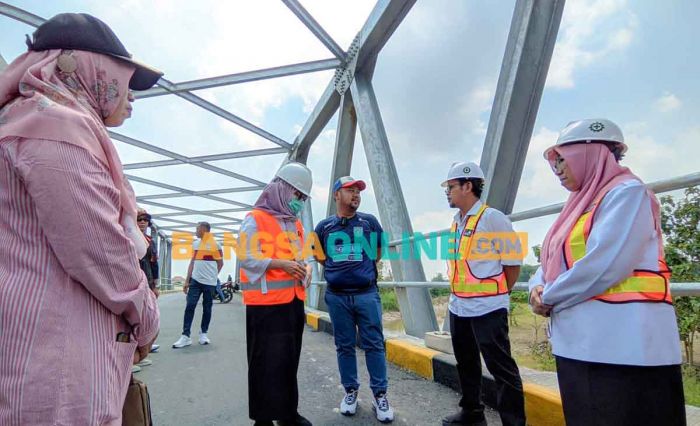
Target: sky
633, 62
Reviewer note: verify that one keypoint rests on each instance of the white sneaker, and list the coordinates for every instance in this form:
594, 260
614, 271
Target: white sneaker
182, 342
384, 412
348, 406
203, 339
135, 369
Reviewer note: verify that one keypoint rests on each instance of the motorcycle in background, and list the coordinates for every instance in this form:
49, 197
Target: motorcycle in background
224, 292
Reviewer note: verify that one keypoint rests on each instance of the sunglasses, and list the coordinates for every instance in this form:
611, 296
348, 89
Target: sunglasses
142, 219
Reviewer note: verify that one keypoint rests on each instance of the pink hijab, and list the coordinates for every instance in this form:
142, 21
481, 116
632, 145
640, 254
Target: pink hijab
595, 167
39, 100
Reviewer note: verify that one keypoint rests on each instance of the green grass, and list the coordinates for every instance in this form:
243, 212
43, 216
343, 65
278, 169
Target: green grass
691, 385
389, 301
519, 297
439, 291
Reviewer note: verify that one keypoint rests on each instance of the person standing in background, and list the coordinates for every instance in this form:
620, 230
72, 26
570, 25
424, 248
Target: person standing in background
149, 266
202, 275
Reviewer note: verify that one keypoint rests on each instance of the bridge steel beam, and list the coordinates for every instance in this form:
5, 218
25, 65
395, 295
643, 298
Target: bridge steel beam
376, 31
152, 148
186, 191
226, 115
204, 158
243, 77
415, 303
528, 53
186, 212
308, 20
313, 297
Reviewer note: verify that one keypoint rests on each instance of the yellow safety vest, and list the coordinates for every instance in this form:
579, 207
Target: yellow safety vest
462, 281
640, 286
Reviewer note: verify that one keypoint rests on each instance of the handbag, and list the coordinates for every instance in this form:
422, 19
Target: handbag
137, 405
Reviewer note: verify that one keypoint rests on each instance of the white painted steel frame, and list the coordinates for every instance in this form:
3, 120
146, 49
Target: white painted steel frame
182, 90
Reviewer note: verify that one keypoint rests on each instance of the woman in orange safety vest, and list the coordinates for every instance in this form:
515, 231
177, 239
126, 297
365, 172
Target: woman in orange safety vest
273, 278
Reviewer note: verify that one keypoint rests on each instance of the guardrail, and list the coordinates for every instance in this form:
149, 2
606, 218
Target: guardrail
677, 289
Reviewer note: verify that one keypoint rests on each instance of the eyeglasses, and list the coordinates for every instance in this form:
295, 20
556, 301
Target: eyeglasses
449, 187
142, 219
301, 197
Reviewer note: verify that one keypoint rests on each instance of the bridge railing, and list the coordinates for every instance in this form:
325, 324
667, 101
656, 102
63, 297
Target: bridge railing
677, 289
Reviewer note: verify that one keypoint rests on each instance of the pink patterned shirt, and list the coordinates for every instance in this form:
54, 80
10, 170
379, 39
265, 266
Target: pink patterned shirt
69, 282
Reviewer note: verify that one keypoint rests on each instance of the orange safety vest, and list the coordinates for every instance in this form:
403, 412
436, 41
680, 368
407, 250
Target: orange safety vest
277, 287
640, 286
462, 281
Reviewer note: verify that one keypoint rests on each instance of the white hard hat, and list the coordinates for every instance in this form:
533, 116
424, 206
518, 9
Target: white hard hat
587, 131
466, 170
297, 175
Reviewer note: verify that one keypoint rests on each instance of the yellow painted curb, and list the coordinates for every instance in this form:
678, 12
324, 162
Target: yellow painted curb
312, 320
542, 406
411, 357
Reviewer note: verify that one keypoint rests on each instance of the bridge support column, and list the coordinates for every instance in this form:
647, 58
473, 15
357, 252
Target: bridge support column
415, 303
342, 163
313, 296
533, 32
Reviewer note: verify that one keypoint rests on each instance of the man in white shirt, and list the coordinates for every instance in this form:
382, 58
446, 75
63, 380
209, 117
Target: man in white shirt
202, 274
480, 300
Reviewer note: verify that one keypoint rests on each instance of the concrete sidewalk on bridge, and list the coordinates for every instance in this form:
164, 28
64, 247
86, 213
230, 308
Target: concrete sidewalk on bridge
207, 385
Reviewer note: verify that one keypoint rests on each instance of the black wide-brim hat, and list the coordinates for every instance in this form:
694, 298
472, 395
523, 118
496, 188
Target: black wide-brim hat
80, 31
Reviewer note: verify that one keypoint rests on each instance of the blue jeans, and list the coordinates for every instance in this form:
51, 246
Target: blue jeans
364, 313
218, 290
197, 288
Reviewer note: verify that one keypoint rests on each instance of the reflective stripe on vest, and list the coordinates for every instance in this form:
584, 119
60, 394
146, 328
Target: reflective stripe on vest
641, 286
463, 282
276, 287
273, 285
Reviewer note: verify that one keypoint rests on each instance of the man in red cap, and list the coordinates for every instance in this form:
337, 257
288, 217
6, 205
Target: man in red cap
352, 297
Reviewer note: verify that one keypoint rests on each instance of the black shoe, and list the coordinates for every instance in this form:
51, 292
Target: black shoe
463, 419
263, 423
298, 421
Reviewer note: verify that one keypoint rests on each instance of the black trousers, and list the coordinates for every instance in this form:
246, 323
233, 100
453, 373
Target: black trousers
596, 394
488, 335
273, 335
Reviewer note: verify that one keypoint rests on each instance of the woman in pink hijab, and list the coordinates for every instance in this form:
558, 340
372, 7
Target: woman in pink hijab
604, 284
75, 308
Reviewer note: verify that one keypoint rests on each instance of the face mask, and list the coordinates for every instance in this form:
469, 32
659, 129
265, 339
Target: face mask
295, 206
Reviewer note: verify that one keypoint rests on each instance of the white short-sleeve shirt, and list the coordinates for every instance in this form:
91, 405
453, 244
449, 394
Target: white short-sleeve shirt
205, 271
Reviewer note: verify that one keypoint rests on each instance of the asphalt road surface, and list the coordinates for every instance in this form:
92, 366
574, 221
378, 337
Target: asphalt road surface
207, 385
